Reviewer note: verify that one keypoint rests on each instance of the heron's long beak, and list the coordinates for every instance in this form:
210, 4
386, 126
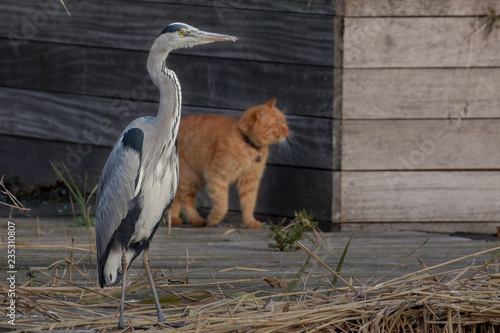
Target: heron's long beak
212, 37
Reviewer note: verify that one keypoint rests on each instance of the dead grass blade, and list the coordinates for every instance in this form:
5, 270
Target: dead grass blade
454, 300
15, 203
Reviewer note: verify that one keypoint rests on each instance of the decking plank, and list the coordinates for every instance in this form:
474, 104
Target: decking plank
370, 255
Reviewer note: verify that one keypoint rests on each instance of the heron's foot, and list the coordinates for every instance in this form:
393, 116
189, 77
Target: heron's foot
161, 318
254, 224
198, 222
121, 324
176, 220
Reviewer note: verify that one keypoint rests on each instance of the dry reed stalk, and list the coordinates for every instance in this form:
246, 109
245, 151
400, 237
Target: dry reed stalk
458, 300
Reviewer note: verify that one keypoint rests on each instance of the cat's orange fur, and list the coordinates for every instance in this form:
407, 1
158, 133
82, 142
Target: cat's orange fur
213, 152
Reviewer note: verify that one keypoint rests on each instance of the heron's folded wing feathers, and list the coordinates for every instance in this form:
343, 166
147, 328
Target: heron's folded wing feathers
115, 193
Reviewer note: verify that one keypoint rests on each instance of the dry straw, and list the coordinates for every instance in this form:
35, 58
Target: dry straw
458, 300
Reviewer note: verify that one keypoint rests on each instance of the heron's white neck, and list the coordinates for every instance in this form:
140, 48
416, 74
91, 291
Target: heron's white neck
168, 118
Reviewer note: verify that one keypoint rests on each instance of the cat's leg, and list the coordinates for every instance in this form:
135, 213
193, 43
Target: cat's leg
175, 212
217, 189
187, 199
248, 186
186, 194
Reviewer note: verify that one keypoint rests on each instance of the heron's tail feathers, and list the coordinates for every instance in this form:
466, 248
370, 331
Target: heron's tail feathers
109, 282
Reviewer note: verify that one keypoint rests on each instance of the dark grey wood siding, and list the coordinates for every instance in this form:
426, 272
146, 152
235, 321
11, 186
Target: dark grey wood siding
70, 84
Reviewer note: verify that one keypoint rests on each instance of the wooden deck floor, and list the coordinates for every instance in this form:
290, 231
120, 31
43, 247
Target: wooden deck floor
240, 259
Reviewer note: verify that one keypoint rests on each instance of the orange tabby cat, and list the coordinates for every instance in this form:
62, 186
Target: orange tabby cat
217, 151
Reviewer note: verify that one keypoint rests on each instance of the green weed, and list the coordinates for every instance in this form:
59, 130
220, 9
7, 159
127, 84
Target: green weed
491, 21
285, 235
81, 201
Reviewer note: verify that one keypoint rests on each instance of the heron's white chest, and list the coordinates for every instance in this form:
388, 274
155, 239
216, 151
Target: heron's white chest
158, 191
159, 170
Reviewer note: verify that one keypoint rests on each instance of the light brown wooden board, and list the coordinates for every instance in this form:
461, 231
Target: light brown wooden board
418, 8
421, 144
415, 42
441, 93
440, 196
462, 228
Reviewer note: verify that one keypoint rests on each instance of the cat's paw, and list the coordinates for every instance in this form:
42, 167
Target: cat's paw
176, 220
253, 224
213, 223
198, 222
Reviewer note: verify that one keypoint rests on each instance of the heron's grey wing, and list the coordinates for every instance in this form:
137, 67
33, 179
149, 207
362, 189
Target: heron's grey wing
117, 187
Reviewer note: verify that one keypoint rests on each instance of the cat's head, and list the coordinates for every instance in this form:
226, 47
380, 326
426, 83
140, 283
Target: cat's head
264, 124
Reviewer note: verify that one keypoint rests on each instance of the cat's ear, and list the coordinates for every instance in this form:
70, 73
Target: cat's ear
271, 102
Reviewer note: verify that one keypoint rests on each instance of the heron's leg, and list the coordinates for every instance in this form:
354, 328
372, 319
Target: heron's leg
145, 261
121, 322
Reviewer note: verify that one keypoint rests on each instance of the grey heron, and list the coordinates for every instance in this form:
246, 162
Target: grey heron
139, 180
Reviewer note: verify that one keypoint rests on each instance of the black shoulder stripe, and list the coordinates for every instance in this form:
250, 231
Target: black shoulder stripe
133, 139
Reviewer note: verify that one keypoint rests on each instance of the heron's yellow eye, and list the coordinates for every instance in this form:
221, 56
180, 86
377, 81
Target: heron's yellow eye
182, 32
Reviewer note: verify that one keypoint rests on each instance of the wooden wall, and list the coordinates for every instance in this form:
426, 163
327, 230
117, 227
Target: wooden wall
394, 107
70, 84
421, 114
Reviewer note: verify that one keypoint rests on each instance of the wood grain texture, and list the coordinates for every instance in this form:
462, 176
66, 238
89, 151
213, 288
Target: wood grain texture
69, 85
99, 121
420, 196
226, 7
421, 145
418, 8
263, 35
418, 43
207, 82
283, 188
438, 93
212, 257
286, 189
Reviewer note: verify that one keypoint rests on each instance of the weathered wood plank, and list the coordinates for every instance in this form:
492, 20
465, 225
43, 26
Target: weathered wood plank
370, 256
226, 7
463, 228
421, 93
91, 120
263, 35
420, 145
418, 8
420, 196
207, 82
29, 159
283, 188
287, 189
418, 42
274, 201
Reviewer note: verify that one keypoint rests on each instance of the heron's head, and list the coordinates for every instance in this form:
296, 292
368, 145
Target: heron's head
181, 35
